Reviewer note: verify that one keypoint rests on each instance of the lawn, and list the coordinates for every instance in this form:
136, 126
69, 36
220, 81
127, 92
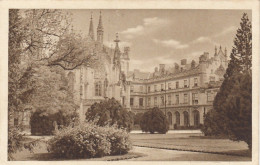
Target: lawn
40, 153
190, 142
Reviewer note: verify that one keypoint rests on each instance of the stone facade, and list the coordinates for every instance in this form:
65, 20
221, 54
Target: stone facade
107, 78
183, 92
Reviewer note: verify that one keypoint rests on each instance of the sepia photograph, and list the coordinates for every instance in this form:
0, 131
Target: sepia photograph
118, 84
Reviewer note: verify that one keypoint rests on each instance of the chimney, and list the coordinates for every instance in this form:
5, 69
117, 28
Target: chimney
204, 57
126, 50
176, 66
183, 61
161, 67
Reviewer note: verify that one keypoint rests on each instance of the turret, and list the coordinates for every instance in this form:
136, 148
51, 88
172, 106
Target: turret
91, 29
117, 52
100, 30
216, 53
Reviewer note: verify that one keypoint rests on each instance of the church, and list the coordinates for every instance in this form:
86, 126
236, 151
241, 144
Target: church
106, 78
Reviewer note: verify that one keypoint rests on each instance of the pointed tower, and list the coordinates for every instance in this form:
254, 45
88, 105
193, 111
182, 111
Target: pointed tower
100, 30
216, 51
117, 53
91, 29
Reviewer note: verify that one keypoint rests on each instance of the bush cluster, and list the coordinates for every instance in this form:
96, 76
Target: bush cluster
89, 140
154, 121
110, 112
43, 123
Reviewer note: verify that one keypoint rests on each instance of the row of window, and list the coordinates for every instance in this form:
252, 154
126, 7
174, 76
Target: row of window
210, 97
168, 101
163, 86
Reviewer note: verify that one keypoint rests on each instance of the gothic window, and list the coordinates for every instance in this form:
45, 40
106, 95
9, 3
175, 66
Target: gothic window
177, 121
186, 118
195, 82
195, 98
98, 89
71, 79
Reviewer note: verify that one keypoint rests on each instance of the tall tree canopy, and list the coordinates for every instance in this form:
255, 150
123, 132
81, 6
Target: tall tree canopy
233, 102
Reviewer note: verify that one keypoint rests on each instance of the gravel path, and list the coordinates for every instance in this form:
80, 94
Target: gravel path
154, 154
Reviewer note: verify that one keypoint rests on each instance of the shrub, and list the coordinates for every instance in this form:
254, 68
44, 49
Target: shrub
110, 112
14, 141
42, 122
89, 140
119, 139
154, 121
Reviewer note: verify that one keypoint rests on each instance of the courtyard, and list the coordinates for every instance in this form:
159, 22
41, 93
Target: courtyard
173, 146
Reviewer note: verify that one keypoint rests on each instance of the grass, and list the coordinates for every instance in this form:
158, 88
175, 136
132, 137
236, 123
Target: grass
40, 153
191, 142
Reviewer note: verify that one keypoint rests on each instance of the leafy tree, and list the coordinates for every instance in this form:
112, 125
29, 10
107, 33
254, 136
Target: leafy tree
154, 121
233, 102
110, 112
239, 109
138, 118
39, 41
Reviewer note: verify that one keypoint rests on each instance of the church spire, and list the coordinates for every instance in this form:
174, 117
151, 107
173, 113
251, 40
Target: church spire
216, 50
100, 30
91, 29
117, 51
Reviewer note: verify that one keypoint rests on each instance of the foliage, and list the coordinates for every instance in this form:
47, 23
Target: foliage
39, 41
154, 121
89, 140
110, 112
14, 141
43, 123
119, 139
138, 118
239, 109
233, 103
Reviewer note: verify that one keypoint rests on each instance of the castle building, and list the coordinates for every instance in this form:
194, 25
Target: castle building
106, 78
183, 92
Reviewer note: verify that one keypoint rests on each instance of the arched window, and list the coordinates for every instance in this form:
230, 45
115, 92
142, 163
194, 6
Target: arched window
71, 79
196, 115
186, 118
169, 114
98, 89
177, 115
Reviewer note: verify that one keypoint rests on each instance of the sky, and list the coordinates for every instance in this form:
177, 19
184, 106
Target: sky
163, 36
